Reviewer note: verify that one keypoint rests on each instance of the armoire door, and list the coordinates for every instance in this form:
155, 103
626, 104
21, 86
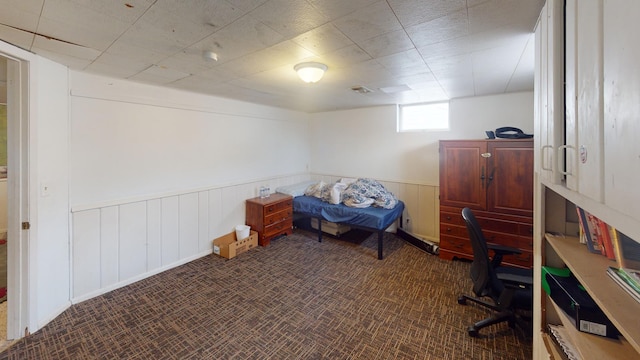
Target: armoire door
510, 177
463, 174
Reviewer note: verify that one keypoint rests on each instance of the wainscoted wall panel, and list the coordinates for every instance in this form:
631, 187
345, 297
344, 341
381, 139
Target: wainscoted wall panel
132, 254
154, 234
169, 230
86, 250
188, 225
116, 245
109, 245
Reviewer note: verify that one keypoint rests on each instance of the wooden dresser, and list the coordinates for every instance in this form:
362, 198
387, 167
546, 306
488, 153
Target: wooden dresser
495, 179
270, 217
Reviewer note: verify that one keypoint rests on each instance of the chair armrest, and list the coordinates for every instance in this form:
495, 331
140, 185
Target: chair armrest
500, 251
515, 280
503, 249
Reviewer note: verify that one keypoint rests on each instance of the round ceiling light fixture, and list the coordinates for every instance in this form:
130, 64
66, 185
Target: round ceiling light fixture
310, 72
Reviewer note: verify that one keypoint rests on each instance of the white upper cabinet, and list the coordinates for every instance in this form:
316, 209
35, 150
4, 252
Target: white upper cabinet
549, 102
622, 106
580, 160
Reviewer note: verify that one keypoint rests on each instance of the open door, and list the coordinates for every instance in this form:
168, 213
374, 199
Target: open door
17, 197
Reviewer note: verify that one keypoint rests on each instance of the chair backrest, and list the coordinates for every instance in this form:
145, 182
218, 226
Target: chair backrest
485, 281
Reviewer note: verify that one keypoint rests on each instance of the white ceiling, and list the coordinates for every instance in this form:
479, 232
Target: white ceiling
406, 51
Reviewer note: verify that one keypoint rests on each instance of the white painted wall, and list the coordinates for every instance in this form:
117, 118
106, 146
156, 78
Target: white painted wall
157, 174
131, 140
364, 142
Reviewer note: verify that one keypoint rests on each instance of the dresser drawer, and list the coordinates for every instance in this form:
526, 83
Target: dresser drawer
273, 208
452, 230
456, 244
451, 218
278, 228
279, 216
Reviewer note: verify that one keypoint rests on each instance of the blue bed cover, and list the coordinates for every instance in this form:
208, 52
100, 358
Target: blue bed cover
369, 217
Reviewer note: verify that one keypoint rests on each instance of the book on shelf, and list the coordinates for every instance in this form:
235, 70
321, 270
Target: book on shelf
625, 281
605, 238
588, 230
598, 234
628, 251
563, 340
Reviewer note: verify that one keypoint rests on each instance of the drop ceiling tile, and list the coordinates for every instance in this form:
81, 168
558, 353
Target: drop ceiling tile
215, 14
453, 47
70, 61
132, 65
190, 60
451, 26
498, 13
91, 28
151, 39
289, 18
402, 60
16, 37
387, 44
216, 76
452, 66
242, 37
368, 22
323, 39
278, 55
412, 12
21, 14
345, 57
163, 40
334, 9
168, 23
123, 51
159, 75
246, 5
116, 66
457, 87
60, 47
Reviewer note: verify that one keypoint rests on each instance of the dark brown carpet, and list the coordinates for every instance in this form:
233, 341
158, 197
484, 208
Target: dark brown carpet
295, 299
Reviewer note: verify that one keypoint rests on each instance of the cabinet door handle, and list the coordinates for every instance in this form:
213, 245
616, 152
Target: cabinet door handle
561, 165
491, 177
482, 177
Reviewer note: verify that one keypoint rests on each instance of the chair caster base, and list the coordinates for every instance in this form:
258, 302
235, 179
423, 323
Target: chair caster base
462, 300
473, 332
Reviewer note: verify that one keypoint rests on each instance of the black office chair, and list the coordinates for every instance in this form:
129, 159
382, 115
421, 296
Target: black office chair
510, 289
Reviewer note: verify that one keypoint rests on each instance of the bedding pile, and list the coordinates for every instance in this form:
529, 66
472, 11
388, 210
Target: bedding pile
359, 193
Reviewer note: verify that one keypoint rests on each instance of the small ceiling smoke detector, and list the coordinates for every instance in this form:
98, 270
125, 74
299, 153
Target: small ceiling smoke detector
361, 89
210, 55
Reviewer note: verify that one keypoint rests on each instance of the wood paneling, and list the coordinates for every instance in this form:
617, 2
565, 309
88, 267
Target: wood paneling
118, 244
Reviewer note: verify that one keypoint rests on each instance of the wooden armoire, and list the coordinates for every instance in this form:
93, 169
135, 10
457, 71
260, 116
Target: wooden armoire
494, 178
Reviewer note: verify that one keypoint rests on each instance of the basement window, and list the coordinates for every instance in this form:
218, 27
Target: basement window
423, 117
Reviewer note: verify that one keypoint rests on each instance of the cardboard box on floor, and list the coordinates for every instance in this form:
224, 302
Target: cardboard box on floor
229, 247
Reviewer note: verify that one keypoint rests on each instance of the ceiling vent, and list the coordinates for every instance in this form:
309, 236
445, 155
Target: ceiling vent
361, 89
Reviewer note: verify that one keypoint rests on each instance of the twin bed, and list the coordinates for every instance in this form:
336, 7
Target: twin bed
374, 219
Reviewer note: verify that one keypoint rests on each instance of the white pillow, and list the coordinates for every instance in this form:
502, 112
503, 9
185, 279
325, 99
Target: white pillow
335, 194
294, 189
